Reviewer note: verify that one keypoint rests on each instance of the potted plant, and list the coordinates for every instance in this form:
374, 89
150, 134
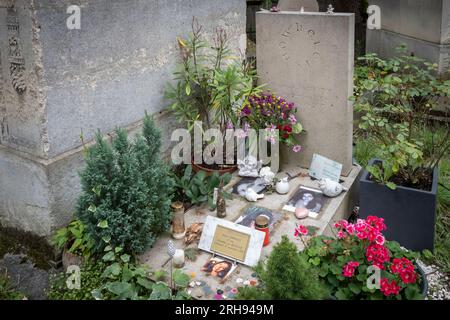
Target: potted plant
76, 244
210, 86
342, 262
396, 100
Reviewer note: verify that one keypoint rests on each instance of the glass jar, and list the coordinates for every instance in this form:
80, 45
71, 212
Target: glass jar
178, 227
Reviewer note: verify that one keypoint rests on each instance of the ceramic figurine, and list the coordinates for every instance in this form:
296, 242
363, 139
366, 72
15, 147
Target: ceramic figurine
221, 207
249, 167
252, 196
331, 188
282, 186
301, 213
330, 9
267, 175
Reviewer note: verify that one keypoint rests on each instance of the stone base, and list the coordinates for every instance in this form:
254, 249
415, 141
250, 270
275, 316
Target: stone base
383, 43
335, 209
39, 195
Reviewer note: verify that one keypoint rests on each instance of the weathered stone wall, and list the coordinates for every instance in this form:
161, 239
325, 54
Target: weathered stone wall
424, 26
106, 74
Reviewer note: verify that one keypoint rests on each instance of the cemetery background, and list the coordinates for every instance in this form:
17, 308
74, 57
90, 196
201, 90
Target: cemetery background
57, 164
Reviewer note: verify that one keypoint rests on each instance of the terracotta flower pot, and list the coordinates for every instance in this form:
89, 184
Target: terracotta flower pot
199, 167
69, 259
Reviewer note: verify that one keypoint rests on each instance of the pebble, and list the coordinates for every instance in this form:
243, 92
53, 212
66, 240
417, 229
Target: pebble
239, 280
192, 284
219, 291
198, 283
438, 282
246, 282
254, 275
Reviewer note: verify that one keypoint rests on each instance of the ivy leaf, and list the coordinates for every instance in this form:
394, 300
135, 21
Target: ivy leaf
112, 270
103, 224
109, 256
125, 258
145, 283
391, 185
160, 274
92, 208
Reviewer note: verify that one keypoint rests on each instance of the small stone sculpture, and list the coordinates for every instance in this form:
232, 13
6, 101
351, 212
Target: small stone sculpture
249, 166
267, 175
331, 188
282, 186
330, 9
252, 196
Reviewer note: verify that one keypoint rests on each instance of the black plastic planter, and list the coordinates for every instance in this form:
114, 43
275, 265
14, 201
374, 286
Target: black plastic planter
409, 213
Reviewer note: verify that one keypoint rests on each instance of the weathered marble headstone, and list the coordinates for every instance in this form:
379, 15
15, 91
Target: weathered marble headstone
296, 5
308, 58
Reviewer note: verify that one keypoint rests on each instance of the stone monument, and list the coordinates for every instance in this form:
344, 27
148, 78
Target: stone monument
296, 5
58, 83
308, 58
424, 26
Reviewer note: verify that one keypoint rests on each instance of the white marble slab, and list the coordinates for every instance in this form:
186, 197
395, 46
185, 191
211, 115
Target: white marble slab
254, 247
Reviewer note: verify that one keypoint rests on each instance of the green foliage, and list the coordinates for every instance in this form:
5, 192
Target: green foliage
7, 290
90, 280
395, 99
210, 84
126, 191
198, 187
75, 237
288, 275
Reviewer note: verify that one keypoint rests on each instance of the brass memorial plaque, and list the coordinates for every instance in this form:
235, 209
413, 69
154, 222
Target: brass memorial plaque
230, 243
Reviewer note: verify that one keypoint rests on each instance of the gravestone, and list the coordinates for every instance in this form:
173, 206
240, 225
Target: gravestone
296, 5
308, 58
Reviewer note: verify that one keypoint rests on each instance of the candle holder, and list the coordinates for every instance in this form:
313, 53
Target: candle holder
178, 226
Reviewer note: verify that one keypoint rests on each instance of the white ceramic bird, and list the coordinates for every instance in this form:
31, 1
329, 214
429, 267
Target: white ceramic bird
252, 196
331, 188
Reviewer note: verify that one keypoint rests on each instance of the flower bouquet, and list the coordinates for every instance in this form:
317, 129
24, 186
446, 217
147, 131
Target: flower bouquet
273, 114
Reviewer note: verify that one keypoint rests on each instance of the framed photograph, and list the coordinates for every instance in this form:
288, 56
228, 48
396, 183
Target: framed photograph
218, 267
309, 198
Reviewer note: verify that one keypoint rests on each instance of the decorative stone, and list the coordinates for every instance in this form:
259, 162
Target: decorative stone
192, 284
246, 282
239, 280
301, 213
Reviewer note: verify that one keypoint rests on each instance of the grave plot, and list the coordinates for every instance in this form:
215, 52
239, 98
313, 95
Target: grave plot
207, 286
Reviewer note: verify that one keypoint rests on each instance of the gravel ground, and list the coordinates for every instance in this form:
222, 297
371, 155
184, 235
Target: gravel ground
438, 282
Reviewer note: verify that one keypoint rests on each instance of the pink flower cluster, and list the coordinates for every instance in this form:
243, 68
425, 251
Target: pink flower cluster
300, 230
349, 269
389, 288
405, 269
377, 254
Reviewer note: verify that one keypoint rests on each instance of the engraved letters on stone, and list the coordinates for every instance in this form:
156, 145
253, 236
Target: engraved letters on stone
16, 60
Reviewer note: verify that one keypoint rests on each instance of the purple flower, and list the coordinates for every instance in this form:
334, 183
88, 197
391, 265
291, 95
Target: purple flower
246, 111
230, 125
296, 148
292, 119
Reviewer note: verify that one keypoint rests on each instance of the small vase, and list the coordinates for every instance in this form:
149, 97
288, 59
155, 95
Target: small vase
178, 226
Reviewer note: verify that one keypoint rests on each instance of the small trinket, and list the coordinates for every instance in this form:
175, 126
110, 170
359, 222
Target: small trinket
282, 186
178, 228
301, 213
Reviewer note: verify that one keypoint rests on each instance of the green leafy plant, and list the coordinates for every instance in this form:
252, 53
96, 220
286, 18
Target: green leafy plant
75, 238
90, 279
210, 84
199, 187
126, 191
396, 99
7, 290
287, 275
